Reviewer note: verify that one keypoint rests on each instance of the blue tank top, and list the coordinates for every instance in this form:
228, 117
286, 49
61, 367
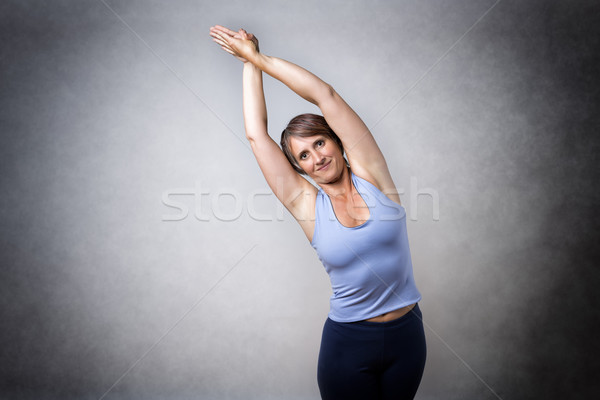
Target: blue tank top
369, 265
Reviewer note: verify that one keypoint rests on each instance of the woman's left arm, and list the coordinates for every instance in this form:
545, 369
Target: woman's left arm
364, 155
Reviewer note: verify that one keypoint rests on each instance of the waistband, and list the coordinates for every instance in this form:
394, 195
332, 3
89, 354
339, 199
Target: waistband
415, 312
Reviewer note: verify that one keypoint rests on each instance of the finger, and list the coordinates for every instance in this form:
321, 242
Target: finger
225, 30
246, 35
220, 42
221, 37
225, 46
227, 50
217, 33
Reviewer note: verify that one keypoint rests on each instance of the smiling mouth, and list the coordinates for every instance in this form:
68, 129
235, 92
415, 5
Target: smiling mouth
324, 166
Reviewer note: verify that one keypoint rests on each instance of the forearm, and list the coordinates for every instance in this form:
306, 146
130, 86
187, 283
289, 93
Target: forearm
255, 109
302, 82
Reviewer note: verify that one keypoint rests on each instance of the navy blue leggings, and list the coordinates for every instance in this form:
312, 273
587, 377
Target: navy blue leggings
372, 360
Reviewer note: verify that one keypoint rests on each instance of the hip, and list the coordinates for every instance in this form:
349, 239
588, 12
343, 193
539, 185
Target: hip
367, 336
409, 321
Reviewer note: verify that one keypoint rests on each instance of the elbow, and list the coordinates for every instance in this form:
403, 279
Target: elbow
254, 134
252, 137
326, 94
329, 91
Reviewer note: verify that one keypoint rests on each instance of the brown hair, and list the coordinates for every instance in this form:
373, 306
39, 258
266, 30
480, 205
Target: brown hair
306, 125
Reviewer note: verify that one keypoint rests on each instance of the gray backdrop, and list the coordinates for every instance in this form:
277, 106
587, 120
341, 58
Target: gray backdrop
143, 258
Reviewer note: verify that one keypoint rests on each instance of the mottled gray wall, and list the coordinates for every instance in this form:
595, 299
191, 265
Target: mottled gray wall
108, 114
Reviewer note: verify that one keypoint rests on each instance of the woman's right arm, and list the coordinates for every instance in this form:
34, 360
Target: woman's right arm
287, 185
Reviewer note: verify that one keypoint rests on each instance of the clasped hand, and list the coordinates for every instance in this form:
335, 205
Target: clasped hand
240, 44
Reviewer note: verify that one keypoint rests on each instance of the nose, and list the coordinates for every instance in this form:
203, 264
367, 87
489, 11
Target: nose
320, 157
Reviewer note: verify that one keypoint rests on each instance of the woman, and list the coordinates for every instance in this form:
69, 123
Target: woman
373, 344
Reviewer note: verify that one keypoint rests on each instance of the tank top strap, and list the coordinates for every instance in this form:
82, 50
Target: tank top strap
367, 190
321, 212
379, 204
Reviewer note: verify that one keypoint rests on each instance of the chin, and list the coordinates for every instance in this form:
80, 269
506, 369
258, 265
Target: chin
333, 176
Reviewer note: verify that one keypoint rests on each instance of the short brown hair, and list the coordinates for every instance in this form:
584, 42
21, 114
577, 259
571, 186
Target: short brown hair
306, 125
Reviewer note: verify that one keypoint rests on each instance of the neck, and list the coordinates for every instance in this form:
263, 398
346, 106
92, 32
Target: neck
341, 187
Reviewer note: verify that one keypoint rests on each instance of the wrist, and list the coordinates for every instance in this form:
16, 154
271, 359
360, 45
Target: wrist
259, 60
250, 66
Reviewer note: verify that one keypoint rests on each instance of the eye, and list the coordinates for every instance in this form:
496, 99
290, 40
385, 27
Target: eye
320, 143
302, 156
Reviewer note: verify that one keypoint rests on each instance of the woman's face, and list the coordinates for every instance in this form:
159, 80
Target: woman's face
319, 156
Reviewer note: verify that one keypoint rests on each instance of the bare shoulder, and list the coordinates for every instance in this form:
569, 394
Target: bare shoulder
380, 177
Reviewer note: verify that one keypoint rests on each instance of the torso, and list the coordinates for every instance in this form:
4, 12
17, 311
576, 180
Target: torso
349, 215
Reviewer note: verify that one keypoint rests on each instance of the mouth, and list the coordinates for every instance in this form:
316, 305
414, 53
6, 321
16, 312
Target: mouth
324, 166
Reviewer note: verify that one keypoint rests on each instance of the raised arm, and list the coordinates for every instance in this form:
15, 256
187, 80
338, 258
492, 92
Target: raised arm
255, 109
304, 83
363, 153
287, 185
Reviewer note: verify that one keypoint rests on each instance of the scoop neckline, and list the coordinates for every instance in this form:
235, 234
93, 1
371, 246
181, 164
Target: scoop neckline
353, 179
